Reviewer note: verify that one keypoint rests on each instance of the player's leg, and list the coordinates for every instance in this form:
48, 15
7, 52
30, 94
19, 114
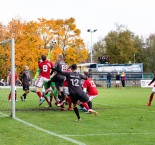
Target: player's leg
90, 104
55, 92
74, 100
150, 99
26, 91
39, 84
82, 96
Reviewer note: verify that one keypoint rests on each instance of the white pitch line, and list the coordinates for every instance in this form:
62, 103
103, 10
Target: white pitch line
49, 132
46, 131
4, 115
109, 134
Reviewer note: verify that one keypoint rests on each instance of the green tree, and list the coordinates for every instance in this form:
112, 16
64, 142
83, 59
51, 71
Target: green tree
150, 52
99, 50
120, 46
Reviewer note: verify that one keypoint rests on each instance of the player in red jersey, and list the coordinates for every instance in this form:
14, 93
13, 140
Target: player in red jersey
66, 91
44, 76
90, 87
9, 83
152, 94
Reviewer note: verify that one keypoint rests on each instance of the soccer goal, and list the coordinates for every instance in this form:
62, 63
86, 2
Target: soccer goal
7, 108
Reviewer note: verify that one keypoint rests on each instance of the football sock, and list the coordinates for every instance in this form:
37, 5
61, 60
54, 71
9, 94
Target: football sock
69, 102
15, 96
90, 104
85, 105
24, 95
151, 97
63, 96
39, 94
56, 94
81, 106
9, 96
77, 112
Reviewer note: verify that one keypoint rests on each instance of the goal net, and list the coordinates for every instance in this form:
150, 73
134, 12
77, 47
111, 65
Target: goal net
7, 66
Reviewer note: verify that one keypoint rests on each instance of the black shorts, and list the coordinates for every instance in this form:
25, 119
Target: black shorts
25, 87
81, 96
59, 81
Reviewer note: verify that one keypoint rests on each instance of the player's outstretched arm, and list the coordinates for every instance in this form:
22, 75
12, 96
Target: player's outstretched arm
37, 74
59, 71
152, 81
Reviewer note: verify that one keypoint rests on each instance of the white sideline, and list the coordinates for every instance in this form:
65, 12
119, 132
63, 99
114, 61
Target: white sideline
46, 131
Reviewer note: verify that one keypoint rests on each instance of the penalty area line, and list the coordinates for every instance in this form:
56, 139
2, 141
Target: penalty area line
109, 134
49, 132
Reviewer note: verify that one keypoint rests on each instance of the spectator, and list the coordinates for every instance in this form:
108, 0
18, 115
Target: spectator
117, 79
123, 77
2, 82
108, 80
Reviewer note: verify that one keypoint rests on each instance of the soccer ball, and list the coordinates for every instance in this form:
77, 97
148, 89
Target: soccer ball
54, 41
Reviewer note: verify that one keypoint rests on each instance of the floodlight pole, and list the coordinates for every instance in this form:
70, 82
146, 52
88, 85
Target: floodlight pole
91, 32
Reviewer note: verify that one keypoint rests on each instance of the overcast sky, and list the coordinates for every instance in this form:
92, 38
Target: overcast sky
137, 15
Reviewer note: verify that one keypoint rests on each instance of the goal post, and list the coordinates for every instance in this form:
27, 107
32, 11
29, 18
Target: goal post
12, 45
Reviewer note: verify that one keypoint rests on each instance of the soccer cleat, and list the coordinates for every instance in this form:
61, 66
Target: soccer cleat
91, 111
48, 106
61, 103
41, 101
25, 100
34, 91
16, 100
148, 104
21, 97
78, 120
63, 109
70, 109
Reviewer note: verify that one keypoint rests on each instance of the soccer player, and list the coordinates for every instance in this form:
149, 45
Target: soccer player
75, 88
48, 87
25, 82
66, 92
152, 94
59, 79
44, 75
90, 88
9, 83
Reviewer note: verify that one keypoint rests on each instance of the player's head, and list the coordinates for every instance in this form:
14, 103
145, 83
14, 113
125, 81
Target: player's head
60, 57
73, 67
26, 68
43, 57
86, 73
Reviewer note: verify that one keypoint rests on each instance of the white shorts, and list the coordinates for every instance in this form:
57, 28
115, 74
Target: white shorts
117, 82
66, 91
91, 98
40, 81
153, 89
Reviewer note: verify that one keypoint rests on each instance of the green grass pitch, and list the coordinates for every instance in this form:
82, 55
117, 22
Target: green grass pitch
123, 120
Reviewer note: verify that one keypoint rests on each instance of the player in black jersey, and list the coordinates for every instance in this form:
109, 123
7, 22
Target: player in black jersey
75, 88
59, 80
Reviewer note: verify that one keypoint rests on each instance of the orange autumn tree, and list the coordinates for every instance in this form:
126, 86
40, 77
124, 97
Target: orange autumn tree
34, 38
68, 39
28, 44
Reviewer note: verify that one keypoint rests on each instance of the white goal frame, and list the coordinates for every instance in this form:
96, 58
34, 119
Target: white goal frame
12, 42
